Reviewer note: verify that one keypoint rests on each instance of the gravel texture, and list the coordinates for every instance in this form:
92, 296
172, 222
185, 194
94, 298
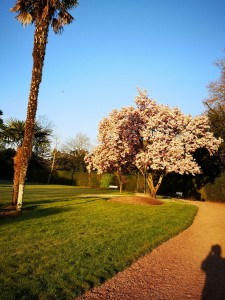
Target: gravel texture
188, 266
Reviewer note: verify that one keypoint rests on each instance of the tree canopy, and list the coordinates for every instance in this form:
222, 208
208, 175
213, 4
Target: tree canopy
215, 106
154, 138
71, 156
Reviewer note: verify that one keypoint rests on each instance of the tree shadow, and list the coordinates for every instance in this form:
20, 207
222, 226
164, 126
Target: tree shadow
78, 200
214, 268
35, 210
30, 213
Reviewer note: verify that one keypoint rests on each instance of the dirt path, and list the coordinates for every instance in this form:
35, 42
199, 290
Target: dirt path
173, 271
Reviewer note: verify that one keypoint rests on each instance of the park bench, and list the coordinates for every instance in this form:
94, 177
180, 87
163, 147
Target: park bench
179, 194
114, 187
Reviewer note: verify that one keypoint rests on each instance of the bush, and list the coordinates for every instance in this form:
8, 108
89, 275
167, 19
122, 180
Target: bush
106, 180
87, 179
215, 191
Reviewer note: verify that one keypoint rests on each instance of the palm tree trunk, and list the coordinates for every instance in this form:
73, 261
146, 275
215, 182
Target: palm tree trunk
17, 163
40, 42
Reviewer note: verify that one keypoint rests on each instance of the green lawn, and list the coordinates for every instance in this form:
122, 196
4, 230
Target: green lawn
68, 239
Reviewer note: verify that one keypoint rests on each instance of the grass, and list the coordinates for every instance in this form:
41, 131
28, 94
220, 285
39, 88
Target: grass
69, 239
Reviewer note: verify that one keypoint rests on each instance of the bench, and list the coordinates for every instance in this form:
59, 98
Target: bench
114, 187
179, 194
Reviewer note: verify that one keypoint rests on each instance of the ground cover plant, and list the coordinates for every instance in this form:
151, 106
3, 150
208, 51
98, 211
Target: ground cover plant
69, 239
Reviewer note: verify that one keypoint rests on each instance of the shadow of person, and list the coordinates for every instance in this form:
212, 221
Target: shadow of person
214, 267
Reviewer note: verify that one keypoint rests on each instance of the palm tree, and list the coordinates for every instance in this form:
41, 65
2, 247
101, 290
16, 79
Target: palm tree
42, 13
12, 135
13, 132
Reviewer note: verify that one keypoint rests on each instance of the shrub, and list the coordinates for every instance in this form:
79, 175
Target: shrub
106, 180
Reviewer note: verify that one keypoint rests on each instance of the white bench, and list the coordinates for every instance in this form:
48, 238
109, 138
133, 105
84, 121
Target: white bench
114, 187
179, 194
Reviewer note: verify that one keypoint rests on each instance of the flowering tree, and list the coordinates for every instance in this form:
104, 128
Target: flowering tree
170, 139
154, 138
118, 144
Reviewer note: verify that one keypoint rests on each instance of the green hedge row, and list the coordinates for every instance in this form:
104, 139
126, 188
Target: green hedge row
193, 187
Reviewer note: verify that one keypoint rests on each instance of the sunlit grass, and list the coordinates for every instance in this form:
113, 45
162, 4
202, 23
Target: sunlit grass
68, 239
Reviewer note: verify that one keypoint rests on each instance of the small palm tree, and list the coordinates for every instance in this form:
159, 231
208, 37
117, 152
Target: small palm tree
13, 132
12, 135
42, 13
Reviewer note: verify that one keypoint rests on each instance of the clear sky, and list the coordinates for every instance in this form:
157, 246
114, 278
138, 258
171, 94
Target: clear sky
165, 46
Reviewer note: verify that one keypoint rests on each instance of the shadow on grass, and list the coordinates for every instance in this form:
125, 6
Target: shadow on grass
78, 200
32, 212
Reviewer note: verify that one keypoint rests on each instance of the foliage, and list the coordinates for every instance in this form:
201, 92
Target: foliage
71, 162
215, 191
37, 170
6, 163
215, 107
54, 12
77, 239
71, 157
106, 180
154, 138
13, 133
79, 179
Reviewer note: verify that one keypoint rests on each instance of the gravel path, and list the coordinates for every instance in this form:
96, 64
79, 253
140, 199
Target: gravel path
188, 266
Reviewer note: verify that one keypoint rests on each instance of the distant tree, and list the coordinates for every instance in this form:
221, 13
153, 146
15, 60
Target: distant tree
158, 141
80, 142
71, 156
53, 158
215, 107
42, 14
216, 89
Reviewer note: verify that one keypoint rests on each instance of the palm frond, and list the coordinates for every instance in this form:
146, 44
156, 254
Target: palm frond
17, 7
57, 25
66, 18
25, 18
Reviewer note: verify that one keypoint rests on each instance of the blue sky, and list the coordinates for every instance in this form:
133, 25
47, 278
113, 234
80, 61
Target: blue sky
165, 46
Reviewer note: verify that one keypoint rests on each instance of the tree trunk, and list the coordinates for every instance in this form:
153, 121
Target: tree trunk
121, 187
120, 179
16, 164
152, 188
52, 165
137, 181
40, 42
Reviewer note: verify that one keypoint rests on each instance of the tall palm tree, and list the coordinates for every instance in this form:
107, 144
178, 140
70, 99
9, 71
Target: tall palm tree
42, 13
